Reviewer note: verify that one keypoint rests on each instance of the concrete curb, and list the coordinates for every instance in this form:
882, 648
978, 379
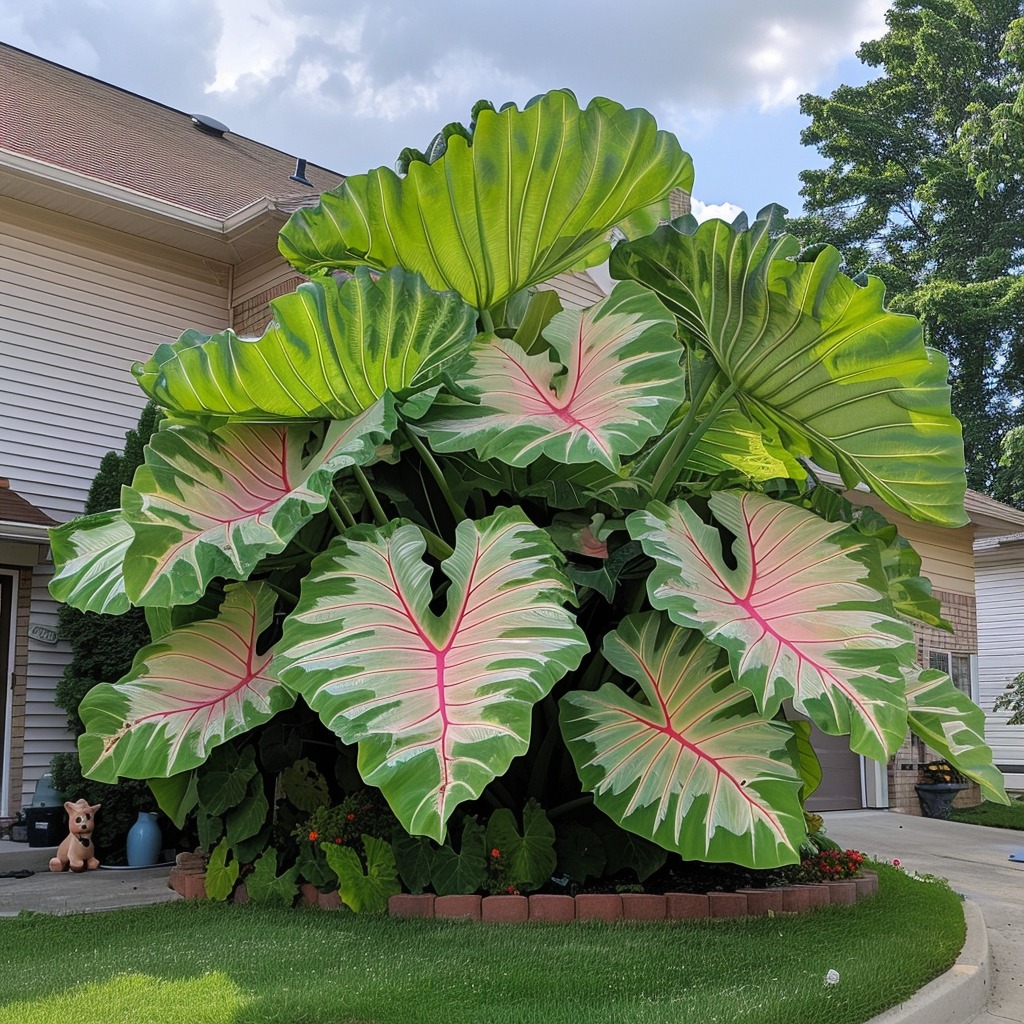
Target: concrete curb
960, 994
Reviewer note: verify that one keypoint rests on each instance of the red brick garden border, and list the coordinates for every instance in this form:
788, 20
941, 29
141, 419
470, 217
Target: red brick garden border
672, 906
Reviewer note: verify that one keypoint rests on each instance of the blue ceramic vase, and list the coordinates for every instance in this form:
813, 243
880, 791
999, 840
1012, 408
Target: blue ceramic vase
144, 841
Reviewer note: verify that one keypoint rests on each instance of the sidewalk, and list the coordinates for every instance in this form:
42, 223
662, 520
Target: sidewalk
976, 862
51, 892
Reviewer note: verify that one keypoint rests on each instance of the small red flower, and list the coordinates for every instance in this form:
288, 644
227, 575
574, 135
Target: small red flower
351, 817
895, 862
339, 840
314, 836
512, 891
495, 853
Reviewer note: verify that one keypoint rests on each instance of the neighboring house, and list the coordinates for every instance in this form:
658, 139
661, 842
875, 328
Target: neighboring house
948, 560
999, 566
123, 222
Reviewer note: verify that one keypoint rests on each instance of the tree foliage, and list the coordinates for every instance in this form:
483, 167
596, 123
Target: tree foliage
925, 189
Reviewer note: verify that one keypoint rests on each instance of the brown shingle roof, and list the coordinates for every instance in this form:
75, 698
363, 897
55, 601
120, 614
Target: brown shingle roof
72, 121
15, 509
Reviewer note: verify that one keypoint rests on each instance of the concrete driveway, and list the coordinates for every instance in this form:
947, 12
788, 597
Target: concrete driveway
976, 862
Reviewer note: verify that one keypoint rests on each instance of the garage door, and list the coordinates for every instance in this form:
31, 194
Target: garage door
840, 788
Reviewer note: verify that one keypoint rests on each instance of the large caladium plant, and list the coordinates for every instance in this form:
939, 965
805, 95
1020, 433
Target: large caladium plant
532, 561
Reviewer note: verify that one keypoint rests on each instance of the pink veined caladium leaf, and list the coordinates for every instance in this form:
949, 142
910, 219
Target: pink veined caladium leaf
192, 690
951, 723
439, 704
801, 614
88, 558
621, 381
215, 504
694, 767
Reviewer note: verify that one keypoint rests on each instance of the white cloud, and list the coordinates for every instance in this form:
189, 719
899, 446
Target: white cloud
257, 39
709, 211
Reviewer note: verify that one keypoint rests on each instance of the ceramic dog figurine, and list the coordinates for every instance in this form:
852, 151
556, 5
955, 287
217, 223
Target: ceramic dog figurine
77, 851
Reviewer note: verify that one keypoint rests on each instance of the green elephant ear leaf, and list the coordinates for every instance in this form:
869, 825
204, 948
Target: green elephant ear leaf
439, 704
807, 762
332, 350
693, 767
616, 380
455, 874
815, 355
365, 892
801, 614
528, 855
215, 504
221, 876
265, 885
186, 694
536, 193
88, 557
952, 724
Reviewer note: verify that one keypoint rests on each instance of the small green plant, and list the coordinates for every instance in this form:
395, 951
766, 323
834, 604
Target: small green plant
1012, 700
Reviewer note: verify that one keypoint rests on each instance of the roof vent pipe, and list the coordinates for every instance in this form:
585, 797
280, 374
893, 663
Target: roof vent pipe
300, 173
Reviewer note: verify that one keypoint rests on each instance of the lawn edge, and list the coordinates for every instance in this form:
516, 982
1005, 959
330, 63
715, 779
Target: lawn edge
960, 994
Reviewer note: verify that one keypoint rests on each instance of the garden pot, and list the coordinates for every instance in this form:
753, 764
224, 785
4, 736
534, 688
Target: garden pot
144, 842
937, 797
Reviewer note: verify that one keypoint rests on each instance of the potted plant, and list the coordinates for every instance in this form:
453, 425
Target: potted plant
939, 785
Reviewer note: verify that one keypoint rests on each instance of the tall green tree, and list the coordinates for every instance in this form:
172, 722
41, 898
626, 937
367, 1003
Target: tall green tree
925, 189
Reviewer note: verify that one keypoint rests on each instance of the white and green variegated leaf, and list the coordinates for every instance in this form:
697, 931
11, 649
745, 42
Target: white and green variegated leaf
189, 692
815, 355
439, 704
332, 350
801, 614
207, 505
88, 557
615, 381
536, 193
693, 766
952, 724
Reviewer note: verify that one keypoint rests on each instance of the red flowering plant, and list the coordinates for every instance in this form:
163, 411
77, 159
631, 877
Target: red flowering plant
828, 866
500, 881
361, 813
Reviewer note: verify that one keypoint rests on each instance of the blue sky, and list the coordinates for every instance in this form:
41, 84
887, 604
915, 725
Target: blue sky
349, 86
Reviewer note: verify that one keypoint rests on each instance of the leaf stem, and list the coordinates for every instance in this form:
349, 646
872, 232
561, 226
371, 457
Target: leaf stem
379, 516
570, 805
437, 546
281, 592
682, 432
487, 320
340, 505
437, 473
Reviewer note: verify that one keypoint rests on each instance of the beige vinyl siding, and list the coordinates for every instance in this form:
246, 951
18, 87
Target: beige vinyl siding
77, 307
1000, 642
946, 554
575, 288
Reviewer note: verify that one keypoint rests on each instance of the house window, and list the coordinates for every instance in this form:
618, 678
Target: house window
959, 668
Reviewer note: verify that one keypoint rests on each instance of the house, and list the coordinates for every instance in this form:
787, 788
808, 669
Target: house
123, 222
949, 560
999, 567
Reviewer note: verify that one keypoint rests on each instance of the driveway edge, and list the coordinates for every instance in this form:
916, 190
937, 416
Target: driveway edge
960, 994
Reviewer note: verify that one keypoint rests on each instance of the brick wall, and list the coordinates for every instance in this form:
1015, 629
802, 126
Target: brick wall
250, 317
960, 610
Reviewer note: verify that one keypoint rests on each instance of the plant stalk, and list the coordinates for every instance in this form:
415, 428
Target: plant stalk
436, 472
379, 516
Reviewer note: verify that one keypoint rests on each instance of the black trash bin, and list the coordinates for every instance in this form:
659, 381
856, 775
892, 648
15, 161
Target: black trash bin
47, 826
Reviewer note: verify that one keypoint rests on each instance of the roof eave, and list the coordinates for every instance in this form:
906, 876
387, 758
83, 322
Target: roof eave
232, 239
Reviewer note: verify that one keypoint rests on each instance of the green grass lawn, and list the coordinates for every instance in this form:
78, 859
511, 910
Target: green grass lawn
993, 815
215, 964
